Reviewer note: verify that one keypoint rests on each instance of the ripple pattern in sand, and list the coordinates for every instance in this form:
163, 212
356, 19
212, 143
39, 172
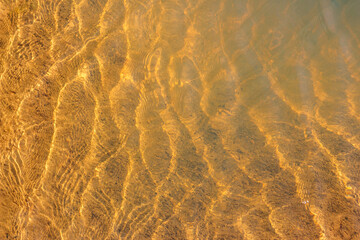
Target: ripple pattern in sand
179, 119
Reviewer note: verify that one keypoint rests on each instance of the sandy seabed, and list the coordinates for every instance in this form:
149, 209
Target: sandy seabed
179, 119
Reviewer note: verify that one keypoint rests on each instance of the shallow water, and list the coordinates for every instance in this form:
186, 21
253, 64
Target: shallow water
179, 119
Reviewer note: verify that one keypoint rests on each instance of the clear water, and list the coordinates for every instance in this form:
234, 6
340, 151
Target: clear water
179, 119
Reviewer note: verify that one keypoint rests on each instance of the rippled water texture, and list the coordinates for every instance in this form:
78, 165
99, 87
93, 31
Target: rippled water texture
179, 119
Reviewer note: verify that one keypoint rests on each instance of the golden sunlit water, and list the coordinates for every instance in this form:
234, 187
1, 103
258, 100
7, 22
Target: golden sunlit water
179, 119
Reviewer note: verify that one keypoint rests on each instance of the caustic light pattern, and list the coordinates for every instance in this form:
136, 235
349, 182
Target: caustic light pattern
179, 119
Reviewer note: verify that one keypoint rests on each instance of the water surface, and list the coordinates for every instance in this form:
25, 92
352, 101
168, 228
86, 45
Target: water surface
179, 119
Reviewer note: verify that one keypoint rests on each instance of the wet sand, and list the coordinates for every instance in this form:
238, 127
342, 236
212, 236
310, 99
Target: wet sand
179, 119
